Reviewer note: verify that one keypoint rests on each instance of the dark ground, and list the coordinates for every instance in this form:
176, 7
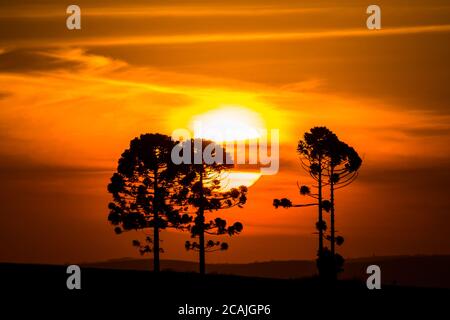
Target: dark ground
133, 293
416, 271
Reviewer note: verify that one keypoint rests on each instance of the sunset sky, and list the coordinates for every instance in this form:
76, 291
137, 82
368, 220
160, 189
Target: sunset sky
70, 102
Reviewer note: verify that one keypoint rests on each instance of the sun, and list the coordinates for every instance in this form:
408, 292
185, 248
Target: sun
228, 123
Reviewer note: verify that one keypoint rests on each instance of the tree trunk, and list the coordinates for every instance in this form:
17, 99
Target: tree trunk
332, 231
156, 223
202, 249
320, 210
201, 213
333, 239
156, 245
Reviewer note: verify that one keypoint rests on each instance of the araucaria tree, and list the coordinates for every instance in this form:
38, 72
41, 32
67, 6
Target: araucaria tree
205, 194
313, 156
331, 163
340, 168
144, 190
343, 163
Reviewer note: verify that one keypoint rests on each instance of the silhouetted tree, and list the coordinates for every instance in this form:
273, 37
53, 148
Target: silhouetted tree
342, 170
205, 194
332, 163
313, 152
313, 155
342, 167
146, 191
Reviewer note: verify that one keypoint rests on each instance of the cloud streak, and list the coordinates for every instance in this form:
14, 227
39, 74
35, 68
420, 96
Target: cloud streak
232, 37
165, 11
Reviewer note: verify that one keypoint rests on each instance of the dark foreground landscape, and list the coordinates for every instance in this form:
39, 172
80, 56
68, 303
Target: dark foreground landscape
160, 296
415, 271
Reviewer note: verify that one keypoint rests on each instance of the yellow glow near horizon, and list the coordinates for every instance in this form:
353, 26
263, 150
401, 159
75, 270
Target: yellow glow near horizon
235, 179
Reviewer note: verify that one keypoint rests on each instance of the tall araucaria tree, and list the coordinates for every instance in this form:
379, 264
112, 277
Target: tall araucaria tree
144, 190
333, 164
343, 163
341, 166
313, 156
204, 194
313, 151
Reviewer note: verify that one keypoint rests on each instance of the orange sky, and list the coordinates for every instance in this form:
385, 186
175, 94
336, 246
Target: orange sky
70, 101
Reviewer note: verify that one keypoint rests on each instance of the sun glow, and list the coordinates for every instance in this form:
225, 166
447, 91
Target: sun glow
228, 123
234, 179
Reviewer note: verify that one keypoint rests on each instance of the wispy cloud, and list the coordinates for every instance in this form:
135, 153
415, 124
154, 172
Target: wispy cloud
40, 12
232, 37
102, 98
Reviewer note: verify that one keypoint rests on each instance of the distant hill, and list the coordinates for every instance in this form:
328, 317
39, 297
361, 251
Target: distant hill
419, 271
